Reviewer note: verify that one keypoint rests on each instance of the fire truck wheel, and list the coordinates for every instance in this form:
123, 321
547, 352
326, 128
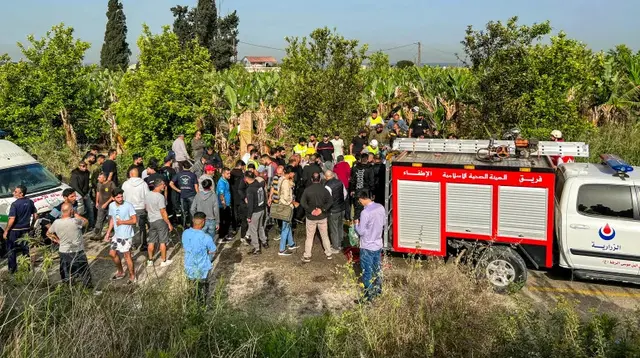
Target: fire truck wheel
502, 267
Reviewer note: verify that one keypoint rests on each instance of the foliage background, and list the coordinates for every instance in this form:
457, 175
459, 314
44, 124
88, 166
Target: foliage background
515, 75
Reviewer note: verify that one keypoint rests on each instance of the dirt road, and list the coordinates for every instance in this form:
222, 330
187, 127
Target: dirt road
285, 286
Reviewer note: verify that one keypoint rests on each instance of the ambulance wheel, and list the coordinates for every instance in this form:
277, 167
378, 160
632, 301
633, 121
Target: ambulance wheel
503, 267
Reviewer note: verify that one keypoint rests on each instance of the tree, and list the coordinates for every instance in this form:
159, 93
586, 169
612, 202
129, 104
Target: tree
322, 83
218, 35
224, 45
169, 93
499, 58
49, 90
183, 24
115, 50
205, 23
404, 64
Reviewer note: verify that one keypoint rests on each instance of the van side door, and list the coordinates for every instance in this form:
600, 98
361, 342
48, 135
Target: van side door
603, 227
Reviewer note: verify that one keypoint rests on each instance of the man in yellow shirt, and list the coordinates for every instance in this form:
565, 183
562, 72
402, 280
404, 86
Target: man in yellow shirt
301, 148
374, 120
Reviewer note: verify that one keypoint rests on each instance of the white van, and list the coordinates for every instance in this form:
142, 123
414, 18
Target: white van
18, 167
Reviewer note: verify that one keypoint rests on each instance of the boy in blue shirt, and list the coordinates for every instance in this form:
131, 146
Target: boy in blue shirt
224, 198
123, 219
198, 250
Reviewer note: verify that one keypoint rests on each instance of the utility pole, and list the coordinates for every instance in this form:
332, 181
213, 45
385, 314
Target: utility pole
419, 64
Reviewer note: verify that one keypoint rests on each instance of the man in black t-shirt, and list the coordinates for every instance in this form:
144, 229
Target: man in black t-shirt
110, 168
172, 197
358, 143
185, 183
418, 127
137, 163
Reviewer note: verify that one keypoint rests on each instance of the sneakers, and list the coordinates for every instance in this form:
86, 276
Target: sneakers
265, 245
245, 240
149, 263
285, 253
293, 247
306, 259
227, 239
117, 277
335, 251
277, 238
166, 263
329, 257
255, 252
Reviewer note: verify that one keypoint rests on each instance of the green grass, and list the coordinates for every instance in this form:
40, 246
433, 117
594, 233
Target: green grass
428, 310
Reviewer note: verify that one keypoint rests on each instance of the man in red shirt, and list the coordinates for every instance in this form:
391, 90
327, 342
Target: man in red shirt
343, 172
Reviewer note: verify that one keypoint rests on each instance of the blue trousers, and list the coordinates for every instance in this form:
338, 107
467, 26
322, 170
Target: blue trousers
371, 273
286, 236
15, 247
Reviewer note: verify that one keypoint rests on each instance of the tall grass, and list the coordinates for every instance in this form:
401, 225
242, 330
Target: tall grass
427, 310
621, 139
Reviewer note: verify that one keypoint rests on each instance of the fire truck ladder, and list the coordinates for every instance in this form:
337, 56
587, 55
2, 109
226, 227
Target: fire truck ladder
470, 146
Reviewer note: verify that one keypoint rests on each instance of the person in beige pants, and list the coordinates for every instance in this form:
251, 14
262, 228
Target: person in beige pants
316, 202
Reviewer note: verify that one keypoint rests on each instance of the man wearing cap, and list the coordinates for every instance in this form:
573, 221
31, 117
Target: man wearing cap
137, 163
180, 151
358, 143
209, 171
419, 127
325, 150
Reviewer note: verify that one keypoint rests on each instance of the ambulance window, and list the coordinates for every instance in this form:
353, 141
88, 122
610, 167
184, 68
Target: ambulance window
606, 200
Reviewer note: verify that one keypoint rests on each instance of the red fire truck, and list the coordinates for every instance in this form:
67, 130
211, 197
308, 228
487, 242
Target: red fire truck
515, 210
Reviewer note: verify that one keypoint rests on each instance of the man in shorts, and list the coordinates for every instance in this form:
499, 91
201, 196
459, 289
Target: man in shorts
123, 220
159, 224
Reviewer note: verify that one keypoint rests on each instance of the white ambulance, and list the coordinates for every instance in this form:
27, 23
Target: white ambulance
17, 167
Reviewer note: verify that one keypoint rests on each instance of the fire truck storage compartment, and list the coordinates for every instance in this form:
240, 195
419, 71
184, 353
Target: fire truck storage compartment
522, 212
440, 196
469, 208
419, 215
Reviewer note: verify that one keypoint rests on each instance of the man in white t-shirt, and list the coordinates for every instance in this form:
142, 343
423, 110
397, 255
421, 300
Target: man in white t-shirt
123, 220
338, 145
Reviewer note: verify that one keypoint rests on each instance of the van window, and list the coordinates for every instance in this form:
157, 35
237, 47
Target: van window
606, 200
34, 176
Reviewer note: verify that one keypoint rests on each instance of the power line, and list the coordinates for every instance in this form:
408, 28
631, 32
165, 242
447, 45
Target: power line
394, 48
262, 46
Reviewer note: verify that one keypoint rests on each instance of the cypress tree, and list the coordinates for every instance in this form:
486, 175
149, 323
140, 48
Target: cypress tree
205, 22
218, 35
115, 49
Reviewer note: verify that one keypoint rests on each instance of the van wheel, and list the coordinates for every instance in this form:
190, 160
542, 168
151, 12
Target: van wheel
503, 268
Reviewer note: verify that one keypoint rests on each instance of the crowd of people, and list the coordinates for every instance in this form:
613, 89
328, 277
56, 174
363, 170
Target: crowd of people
321, 184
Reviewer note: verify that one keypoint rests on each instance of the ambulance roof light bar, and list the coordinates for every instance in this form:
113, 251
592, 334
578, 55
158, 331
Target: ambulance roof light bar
617, 164
471, 146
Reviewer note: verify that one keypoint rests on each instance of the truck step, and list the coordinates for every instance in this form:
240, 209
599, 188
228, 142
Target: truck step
606, 276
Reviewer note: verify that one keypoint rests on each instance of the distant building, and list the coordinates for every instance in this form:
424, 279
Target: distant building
260, 63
